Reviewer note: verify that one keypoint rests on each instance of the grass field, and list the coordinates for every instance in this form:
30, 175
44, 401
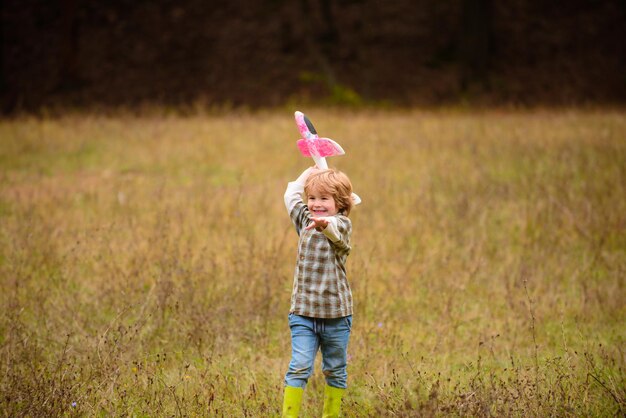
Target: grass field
146, 263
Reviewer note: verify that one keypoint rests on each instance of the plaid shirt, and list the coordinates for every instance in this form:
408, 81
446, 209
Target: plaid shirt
320, 286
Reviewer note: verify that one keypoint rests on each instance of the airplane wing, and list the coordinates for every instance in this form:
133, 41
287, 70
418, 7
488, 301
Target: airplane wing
325, 147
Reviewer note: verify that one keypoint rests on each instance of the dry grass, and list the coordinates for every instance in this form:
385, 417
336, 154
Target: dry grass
145, 263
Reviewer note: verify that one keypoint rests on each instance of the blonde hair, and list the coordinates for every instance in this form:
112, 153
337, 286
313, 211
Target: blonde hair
336, 184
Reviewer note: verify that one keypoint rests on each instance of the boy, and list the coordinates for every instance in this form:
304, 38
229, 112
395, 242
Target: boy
320, 316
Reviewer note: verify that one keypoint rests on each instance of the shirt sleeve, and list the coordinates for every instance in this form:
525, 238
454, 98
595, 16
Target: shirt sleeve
295, 190
298, 211
338, 232
293, 195
331, 231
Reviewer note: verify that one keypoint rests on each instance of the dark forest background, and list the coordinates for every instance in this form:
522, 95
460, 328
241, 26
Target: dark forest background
268, 52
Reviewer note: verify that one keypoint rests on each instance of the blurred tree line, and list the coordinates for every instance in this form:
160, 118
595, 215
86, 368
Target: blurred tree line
267, 52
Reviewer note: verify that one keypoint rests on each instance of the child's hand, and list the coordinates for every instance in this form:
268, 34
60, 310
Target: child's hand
311, 170
305, 174
317, 223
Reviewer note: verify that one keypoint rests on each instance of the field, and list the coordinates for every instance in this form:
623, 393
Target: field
146, 262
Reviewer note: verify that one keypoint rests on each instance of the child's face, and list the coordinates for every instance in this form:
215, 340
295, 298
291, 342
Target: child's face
321, 203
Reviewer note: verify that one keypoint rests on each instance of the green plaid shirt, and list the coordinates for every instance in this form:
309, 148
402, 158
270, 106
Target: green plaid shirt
320, 286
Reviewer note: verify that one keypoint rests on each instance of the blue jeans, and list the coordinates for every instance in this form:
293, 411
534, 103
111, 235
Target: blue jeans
311, 334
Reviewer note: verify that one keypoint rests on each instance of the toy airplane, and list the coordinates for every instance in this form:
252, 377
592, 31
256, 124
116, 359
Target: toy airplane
311, 145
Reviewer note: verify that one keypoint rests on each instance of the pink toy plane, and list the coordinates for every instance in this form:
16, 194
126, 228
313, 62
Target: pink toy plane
311, 145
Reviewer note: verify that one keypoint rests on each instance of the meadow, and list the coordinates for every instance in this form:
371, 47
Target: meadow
146, 262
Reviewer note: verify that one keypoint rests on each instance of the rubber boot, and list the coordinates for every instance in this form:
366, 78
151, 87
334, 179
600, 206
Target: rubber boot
332, 401
292, 401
